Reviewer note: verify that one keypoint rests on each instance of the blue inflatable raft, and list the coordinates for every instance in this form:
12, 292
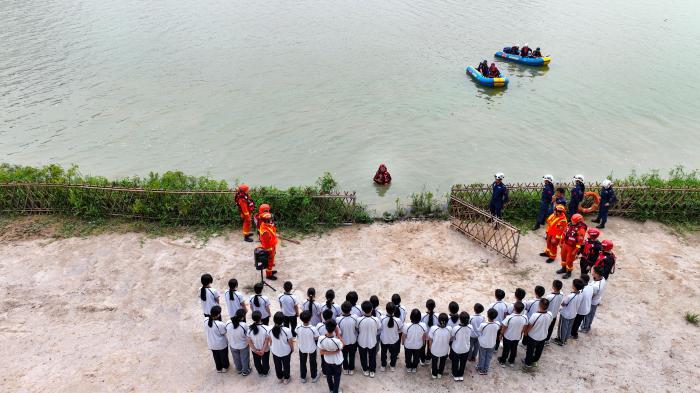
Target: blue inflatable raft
531, 61
501, 81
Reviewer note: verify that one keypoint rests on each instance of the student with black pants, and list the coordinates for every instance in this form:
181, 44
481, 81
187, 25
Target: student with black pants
216, 339
281, 344
258, 343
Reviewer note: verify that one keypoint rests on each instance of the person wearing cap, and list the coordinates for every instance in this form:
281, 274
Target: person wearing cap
577, 194
268, 241
590, 250
607, 198
545, 201
499, 195
556, 224
572, 241
246, 207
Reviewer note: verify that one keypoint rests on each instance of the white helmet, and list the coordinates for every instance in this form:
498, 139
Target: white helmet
548, 178
499, 176
606, 183
578, 178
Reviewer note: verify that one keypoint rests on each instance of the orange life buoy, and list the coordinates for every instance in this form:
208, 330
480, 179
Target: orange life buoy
592, 208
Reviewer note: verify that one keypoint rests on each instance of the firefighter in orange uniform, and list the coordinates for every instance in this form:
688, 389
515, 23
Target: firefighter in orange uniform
246, 207
264, 208
556, 224
573, 239
268, 241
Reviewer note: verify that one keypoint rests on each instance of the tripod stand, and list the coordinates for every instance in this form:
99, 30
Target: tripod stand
263, 282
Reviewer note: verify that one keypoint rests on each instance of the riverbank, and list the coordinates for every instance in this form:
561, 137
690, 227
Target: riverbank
118, 311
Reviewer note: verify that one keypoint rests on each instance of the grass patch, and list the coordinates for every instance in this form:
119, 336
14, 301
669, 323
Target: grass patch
691, 318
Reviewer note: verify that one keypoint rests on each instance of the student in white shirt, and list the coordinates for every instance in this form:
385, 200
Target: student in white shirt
475, 323
208, 297
329, 305
376, 312
567, 313
368, 327
453, 308
281, 344
459, 349
289, 304
512, 331
396, 299
555, 298
234, 299
258, 344
585, 307
353, 298
533, 305
439, 337
519, 297
307, 335
598, 287
237, 334
413, 340
216, 339
312, 306
430, 319
502, 308
488, 334
331, 348
261, 303
536, 331
347, 323
389, 337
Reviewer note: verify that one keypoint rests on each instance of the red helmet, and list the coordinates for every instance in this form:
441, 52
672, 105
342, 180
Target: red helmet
243, 187
264, 208
266, 216
607, 245
576, 218
593, 232
560, 208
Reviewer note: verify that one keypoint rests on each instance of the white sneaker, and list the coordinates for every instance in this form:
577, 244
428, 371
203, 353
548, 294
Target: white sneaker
392, 369
461, 378
456, 379
415, 370
224, 370
371, 374
409, 370
434, 376
439, 376
346, 372
422, 364
382, 369
366, 373
314, 380
352, 372
303, 380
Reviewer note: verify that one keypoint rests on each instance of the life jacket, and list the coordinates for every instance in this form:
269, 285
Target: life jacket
525, 51
591, 250
556, 224
606, 260
242, 198
575, 233
268, 235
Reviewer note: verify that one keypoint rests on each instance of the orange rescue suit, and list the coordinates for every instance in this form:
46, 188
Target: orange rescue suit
268, 241
556, 224
245, 207
574, 237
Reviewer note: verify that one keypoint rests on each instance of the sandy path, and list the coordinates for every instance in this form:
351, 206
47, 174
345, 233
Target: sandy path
119, 312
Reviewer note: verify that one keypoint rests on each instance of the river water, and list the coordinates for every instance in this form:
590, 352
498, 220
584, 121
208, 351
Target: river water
277, 92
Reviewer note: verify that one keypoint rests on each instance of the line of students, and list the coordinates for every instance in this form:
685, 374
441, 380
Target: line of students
338, 334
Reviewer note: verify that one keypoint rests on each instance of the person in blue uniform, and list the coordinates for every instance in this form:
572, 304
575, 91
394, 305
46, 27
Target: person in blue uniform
577, 194
545, 201
499, 195
559, 198
607, 199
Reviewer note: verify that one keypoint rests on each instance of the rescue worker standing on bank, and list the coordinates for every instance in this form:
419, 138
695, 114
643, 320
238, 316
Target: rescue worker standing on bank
572, 241
590, 251
607, 199
499, 195
577, 194
545, 201
606, 259
246, 208
268, 241
264, 208
556, 224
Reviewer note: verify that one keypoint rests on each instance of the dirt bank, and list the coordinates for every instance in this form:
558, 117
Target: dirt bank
120, 312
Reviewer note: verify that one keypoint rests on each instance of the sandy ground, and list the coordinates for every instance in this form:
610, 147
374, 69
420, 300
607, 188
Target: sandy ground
119, 312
